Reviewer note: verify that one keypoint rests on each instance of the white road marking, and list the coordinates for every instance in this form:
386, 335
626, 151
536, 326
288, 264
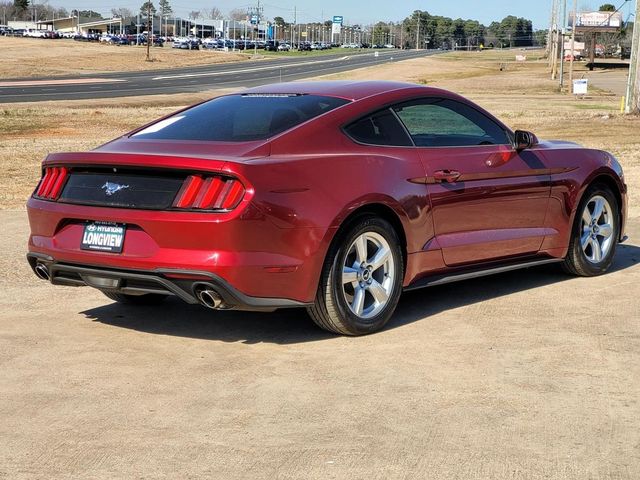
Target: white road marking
255, 69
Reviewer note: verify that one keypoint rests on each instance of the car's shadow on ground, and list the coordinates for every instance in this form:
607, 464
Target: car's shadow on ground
174, 317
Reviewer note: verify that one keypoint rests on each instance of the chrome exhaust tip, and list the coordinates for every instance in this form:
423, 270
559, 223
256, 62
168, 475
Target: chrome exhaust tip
208, 297
42, 272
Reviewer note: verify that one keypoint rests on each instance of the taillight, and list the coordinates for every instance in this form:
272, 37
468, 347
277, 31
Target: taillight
209, 193
52, 183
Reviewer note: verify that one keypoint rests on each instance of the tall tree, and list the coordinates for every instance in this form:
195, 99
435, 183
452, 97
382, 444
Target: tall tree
146, 7
88, 14
165, 8
21, 5
607, 7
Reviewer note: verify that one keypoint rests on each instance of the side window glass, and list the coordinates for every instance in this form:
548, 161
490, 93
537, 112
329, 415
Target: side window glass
380, 128
439, 122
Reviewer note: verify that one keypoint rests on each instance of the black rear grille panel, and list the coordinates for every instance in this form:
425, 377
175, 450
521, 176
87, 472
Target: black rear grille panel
123, 188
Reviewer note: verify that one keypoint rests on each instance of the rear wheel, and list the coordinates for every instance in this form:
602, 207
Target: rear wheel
595, 233
361, 280
146, 299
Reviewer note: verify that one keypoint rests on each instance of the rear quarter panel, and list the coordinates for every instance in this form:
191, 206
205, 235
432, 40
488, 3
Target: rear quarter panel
583, 167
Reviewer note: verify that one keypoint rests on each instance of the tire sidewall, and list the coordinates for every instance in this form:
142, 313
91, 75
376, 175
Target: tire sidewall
579, 255
355, 324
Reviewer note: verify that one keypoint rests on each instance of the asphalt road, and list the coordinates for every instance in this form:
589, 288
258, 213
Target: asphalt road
193, 79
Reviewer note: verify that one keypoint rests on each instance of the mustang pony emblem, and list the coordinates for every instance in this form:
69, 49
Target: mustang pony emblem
110, 188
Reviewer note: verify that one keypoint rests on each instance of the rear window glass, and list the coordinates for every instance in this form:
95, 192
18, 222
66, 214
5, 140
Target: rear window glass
241, 118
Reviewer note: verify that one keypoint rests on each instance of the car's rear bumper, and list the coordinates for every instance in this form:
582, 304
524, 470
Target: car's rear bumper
245, 251
183, 284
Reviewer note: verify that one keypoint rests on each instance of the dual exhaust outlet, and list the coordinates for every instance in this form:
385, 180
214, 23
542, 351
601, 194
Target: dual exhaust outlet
205, 293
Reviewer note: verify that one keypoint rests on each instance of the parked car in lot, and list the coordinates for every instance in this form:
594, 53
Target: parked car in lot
120, 40
271, 45
334, 196
213, 43
186, 43
284, 47
33, 33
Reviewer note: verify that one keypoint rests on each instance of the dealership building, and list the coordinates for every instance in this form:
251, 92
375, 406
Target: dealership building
169, 26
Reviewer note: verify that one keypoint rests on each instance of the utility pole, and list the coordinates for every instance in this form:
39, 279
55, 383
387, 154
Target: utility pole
553, 59
550, 34
418, 32
149, 34
573, 43
633, 83
564, 23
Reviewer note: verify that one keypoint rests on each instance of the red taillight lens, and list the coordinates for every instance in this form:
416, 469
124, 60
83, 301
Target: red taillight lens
188, 192
211, 193
52, 182
235, 192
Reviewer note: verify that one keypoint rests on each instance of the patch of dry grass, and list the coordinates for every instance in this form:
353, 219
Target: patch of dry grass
36, 57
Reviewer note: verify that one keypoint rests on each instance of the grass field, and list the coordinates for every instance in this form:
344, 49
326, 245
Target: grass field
35, 57
521, 94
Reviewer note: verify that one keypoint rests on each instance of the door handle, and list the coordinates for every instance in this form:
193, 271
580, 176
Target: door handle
448, 176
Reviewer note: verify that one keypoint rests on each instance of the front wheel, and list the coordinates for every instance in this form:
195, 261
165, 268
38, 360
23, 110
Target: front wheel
595, 233
361, 280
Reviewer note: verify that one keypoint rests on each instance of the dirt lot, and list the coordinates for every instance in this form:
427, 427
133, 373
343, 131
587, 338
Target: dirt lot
526, 375
36, 57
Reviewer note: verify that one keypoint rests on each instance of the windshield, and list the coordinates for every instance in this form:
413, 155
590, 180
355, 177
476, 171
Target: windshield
241, 118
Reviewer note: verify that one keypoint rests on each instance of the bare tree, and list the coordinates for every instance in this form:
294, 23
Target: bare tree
194, 15
121, 13
212, 13
238, 14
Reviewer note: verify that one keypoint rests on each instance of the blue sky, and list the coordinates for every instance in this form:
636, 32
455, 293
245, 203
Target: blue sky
364, 11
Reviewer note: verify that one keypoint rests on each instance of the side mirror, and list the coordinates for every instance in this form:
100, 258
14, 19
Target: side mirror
525, 140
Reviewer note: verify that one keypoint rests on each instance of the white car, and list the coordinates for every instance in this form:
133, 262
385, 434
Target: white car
284, 47
33, 33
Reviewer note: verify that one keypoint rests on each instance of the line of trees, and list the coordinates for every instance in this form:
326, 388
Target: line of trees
435, 31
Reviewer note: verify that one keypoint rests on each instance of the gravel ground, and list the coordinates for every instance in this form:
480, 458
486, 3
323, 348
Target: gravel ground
525, 375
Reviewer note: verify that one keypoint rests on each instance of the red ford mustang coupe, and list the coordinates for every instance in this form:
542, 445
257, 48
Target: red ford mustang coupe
334, 196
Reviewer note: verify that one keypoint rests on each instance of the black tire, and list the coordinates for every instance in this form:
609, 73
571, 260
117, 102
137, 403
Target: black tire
576, 262
331, 310
146, 299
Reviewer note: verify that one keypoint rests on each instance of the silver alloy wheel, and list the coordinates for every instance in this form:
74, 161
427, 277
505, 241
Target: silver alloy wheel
368, 275
596, 237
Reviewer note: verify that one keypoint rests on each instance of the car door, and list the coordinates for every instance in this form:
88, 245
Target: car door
489, 201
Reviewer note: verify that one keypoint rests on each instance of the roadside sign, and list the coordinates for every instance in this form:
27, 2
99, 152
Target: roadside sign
581, 86
338, 19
